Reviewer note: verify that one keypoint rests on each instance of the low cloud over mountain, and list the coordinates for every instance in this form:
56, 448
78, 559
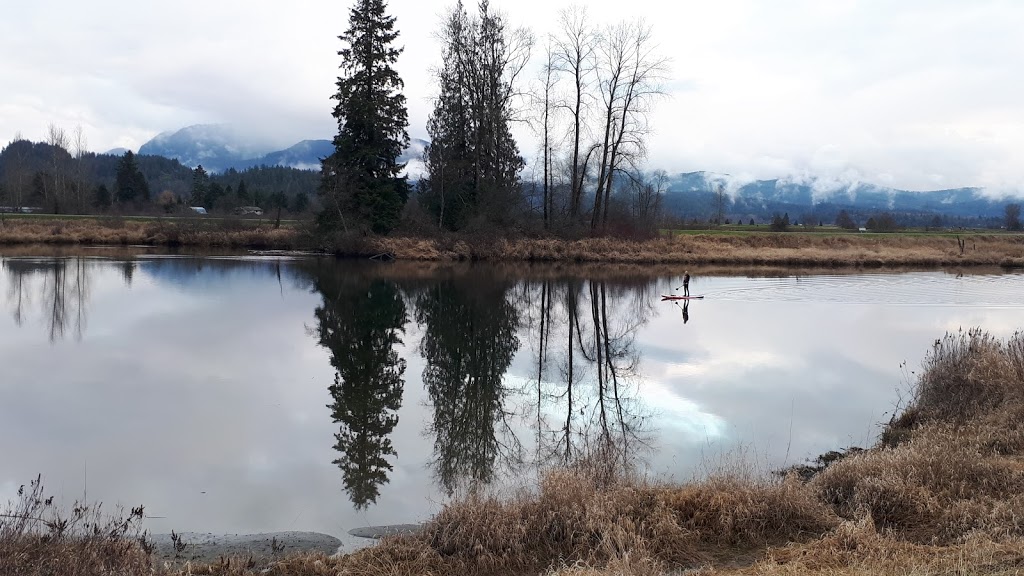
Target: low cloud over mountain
219, 147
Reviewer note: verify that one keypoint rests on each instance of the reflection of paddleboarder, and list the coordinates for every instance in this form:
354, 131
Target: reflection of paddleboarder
686, 310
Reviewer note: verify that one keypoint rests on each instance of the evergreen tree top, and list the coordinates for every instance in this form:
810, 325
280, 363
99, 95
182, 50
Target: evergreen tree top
360, 180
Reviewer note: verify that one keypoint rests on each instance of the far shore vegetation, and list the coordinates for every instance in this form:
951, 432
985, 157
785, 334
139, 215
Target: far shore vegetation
820, 246
939, 493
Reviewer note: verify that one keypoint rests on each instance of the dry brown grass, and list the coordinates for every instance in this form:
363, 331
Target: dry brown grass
120, 231
39, 538
573, 525
759, 249
951, 466
751, 249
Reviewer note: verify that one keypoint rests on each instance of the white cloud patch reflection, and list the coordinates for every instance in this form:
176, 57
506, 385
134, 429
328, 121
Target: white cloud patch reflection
677, 415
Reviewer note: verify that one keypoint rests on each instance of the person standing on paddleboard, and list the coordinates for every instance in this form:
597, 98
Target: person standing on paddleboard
686, 283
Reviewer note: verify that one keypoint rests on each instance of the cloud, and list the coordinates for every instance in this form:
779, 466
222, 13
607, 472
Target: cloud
919, 94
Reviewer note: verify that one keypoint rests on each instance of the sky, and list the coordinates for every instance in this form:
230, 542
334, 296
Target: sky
916, 94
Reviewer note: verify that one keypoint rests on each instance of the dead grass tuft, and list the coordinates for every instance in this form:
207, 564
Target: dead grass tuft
574, 523
727, 511
38, 538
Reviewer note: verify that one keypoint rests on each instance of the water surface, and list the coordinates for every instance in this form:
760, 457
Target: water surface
249, 394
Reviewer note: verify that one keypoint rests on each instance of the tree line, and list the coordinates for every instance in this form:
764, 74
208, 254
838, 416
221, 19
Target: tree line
589, 105
59, 176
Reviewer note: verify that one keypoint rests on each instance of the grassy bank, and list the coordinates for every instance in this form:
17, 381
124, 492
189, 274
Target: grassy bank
747, 249
192, 232
941, 493
706, 248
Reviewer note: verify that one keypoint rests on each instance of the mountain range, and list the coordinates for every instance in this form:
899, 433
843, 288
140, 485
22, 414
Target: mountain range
694, 195
691, 195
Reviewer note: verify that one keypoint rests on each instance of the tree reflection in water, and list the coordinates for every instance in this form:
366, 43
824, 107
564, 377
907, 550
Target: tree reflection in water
579, 395
582, 396
586, 412
64, 292
468, 344
360, 322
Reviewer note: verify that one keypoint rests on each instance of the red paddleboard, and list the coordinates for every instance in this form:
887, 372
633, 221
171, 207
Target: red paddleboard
665, 297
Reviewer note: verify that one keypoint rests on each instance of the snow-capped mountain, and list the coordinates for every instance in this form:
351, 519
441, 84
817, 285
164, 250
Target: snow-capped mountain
218, 147
305, 155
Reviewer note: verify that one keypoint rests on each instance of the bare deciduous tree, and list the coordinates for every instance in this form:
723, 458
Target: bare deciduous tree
574, 56
614, 77
720, 198
16, 169
645, 198
630, 76
546, 100
57, 138
81, 184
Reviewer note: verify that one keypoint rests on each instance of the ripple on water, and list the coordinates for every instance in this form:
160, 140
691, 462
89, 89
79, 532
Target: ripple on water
911, 289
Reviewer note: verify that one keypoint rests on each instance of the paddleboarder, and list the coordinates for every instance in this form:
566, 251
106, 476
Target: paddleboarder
686, 283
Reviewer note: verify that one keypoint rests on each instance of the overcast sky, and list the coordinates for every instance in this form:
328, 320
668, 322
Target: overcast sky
918, 94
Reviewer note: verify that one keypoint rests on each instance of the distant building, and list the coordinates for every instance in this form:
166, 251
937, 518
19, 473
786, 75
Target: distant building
21, 209
249, 211
198, 209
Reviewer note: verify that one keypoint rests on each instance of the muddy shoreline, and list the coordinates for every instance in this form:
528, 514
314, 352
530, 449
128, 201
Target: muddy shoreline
204, 548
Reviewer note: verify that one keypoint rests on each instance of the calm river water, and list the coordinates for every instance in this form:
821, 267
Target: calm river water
251, 394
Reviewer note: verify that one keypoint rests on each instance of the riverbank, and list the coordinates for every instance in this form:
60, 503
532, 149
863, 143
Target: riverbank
234, 233
833, 249
939, 494
782, 249
942, 492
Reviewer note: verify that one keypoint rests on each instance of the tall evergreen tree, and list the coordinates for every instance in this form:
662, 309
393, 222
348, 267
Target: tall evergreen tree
129, 184
101, 197
448, 191
214, 192
360, 185
300, 203
243, 193
473, 161
200, 186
